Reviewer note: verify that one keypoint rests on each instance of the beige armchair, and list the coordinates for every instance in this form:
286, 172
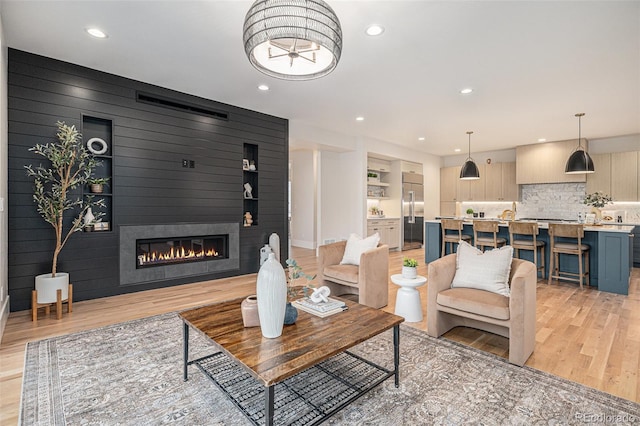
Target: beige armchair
370, 280
513, 317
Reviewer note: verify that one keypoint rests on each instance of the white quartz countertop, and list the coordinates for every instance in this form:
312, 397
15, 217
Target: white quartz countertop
608, 227
382, 218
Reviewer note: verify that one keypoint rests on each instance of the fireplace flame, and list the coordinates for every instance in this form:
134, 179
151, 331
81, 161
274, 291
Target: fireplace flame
174, 255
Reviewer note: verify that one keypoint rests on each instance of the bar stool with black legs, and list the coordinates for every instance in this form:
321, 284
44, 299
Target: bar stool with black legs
528, 229
559, 235
480, 230
452, 238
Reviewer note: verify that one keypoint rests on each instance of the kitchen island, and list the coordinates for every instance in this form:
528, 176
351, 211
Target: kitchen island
610, 257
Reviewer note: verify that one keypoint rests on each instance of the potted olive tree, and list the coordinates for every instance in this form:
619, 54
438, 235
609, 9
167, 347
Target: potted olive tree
70, 167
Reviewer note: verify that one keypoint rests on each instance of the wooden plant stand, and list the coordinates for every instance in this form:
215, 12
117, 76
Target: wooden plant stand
47, 306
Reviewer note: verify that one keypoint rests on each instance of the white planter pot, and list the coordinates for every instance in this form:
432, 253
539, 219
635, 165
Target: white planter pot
47, 287
409, 272
272, 297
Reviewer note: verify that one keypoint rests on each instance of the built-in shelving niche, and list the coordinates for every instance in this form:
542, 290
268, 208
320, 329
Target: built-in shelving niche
250, 170
101, 129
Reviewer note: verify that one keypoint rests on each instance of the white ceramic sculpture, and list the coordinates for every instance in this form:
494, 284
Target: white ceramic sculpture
272, 297
320, 294
264, 253
247, 190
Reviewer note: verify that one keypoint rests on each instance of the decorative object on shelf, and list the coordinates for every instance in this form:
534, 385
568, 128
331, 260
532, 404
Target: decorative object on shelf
470, 212
247, 190
101, 148
579, 161
290, 314
469, 170
272, 297
245, 164
409, 268
101, 226
597, 201
373, 177
274, 243
71, 167
252, 166
264, 253
292, 39
249, 308
320, 294
248, 219
88, 220
96, 185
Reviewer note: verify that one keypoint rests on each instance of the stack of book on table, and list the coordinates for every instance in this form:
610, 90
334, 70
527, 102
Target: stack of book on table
322, 309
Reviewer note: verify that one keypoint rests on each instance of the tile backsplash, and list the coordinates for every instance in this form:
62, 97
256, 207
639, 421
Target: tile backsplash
552, 201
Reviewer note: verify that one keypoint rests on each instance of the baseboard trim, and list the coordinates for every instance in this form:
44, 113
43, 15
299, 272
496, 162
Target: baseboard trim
4, 316
303, 244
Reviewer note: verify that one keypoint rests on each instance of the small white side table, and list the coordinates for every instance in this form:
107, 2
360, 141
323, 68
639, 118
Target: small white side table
408, 298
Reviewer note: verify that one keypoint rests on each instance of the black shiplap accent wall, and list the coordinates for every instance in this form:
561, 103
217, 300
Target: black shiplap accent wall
149, 183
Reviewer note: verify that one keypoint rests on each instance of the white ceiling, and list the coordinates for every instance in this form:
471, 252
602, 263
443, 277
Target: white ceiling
532, 65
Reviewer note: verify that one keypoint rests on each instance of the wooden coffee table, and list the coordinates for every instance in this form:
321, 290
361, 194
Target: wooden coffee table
304, 376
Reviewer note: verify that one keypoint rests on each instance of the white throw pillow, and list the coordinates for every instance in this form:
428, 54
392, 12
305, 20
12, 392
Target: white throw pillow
483, 271
356, 246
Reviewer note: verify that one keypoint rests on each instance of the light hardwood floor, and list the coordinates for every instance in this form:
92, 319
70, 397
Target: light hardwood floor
585, 336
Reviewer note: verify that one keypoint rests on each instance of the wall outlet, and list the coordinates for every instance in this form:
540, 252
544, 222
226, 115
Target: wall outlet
185, 163
192, 164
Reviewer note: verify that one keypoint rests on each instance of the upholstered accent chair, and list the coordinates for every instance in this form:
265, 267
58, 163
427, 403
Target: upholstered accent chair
511, 316
369, 280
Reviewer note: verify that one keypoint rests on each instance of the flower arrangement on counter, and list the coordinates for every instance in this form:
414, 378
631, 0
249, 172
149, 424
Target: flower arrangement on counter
598, 199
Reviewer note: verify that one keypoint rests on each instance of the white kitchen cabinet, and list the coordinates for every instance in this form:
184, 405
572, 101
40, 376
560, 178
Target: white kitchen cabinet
389, 230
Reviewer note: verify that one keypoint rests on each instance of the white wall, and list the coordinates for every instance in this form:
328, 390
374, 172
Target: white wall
4, 143
342, 202
303, 198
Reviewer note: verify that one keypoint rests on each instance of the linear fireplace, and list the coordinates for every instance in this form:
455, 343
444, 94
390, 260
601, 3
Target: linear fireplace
160, 252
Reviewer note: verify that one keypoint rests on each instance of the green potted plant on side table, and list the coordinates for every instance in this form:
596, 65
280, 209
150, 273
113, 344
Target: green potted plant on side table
70, 168
409, 268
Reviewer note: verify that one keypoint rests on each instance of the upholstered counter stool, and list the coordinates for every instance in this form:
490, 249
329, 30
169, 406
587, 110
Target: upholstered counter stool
559, 234
529, 229
480, 230
452, 238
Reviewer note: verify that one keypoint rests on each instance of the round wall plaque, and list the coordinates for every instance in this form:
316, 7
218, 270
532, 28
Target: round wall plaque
102, 146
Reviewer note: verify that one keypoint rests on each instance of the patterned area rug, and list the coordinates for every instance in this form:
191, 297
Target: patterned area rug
131, 373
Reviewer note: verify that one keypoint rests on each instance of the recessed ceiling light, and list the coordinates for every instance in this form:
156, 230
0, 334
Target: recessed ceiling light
421, 138
457, 150
359, 118
466, 90
542, 140
374, 30
263, 87
97, 33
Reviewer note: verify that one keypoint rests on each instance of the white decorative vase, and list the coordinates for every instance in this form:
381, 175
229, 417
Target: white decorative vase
272, 297
409, 272
274, 243
89, 217
47, 287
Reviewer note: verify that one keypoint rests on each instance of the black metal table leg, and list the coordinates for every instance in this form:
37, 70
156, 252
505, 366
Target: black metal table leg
185, 350
396, 353
268, 409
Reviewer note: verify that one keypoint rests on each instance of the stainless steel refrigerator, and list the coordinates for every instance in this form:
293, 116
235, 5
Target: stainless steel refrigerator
412, 210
